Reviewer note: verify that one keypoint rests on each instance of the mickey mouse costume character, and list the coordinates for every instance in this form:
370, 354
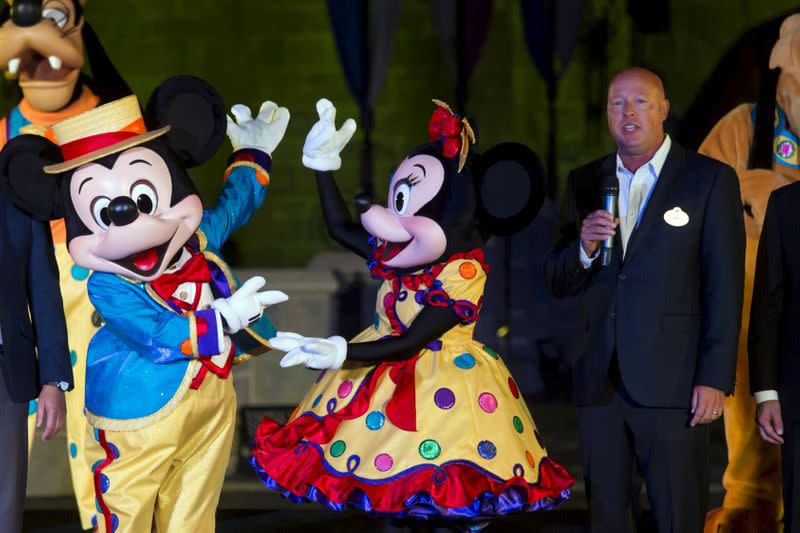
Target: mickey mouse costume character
159, 396
42, 44
414, 417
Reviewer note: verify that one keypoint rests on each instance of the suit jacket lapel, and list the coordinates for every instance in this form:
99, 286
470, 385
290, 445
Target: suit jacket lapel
656, 205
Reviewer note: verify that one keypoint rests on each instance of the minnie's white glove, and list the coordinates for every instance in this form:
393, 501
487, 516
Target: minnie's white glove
311, 352
263, 133
246, 305
323, 142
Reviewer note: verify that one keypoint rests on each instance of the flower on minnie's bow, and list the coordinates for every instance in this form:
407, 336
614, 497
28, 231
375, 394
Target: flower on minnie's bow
453, 132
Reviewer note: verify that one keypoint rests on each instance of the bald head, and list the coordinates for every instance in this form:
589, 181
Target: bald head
636, 111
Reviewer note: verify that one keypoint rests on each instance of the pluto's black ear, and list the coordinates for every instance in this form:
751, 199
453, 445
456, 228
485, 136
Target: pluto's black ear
511, 188
23, 180
196, 113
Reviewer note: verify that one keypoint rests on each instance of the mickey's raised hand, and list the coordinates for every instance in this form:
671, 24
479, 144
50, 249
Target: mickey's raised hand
264, 132
324, 143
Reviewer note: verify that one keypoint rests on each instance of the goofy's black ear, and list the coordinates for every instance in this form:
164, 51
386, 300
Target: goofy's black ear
511, 188
23, 180
196, 114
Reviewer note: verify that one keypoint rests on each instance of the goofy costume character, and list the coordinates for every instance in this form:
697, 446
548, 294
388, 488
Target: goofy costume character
42, 45
159, 395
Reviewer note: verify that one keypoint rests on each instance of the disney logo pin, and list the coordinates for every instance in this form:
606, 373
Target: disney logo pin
676, 217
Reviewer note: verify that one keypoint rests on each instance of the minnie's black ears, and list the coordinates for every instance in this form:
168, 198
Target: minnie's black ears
511, 188
196, 114
23, 180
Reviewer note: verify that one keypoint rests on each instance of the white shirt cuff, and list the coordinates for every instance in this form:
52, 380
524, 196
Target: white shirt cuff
765, 395
587, 261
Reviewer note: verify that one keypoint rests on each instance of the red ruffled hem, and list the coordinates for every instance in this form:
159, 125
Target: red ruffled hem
300, 468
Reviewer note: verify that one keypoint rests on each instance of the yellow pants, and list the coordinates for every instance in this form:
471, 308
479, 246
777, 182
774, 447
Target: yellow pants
168, 475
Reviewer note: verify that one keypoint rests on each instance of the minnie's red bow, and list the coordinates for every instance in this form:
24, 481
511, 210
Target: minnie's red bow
445, 126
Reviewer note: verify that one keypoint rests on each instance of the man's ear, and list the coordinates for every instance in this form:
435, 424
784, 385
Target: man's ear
196, 114
510, 182
23, 180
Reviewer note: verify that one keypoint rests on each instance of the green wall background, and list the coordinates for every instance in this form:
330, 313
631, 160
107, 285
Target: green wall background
283, 50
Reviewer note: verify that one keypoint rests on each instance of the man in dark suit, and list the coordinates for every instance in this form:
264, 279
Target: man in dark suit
658, 326
774, 340
29, 281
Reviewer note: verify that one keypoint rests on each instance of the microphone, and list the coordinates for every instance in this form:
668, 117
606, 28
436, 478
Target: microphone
610, 196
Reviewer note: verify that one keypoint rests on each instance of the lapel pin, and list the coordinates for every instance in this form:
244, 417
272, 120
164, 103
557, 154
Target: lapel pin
676, 217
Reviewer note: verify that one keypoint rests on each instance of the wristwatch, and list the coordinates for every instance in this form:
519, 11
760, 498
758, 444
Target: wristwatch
63, 385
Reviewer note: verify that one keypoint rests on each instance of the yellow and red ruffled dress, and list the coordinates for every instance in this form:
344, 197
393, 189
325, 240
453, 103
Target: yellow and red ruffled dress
443, 434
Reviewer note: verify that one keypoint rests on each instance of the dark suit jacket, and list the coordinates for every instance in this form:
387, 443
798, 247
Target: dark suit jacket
30, 280
774, 336
672, 309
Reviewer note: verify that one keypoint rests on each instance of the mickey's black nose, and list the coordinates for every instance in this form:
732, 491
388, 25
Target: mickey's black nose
363, 203
26, 12
122, 211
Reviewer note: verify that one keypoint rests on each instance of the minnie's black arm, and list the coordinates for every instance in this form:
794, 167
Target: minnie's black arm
430, 324
341, 227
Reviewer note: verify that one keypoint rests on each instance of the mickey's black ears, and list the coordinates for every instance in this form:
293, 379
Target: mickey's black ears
196, 113
23, 180
511, 188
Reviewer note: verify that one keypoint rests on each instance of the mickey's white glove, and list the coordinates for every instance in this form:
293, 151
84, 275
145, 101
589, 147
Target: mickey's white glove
311, 352
323, 142
246, 305
264, 132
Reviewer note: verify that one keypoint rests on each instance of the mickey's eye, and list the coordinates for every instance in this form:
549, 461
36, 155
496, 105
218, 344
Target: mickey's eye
402, 194
100, 211
145, 197
58, 16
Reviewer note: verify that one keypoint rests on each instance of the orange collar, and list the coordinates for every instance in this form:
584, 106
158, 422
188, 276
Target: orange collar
86, 101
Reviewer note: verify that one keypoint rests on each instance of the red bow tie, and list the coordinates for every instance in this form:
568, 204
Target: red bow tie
194, 270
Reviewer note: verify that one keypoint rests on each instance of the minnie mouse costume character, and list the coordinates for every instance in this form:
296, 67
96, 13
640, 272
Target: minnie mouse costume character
159, 395
414, 417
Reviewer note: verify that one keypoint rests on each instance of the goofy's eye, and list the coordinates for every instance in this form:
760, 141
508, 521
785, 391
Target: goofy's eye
100, 211
402, 194
145, 197
58, 16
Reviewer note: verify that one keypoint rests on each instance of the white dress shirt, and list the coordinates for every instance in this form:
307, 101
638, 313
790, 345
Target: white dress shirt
645, 177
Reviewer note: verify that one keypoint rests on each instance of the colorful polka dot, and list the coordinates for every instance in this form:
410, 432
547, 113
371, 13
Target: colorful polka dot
186, 347
465, 361
491, 352
429, 449
114, 450
338, 448
530, 459
79, 273
375, 420
97, 321
518, 424
487, 449
96, 465
444, 398
467, 270
513, 386
345, 389
73, 357
105, 483
384, 462
94, 520
376, 321
32, 407
202, 326
519, 471
316, 401
114, 523
353, 463
331, 405
73, 450
488, 402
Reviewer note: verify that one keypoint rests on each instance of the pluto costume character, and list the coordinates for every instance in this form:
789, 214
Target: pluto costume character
761, 143
42, 43
414, 417
159, 395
